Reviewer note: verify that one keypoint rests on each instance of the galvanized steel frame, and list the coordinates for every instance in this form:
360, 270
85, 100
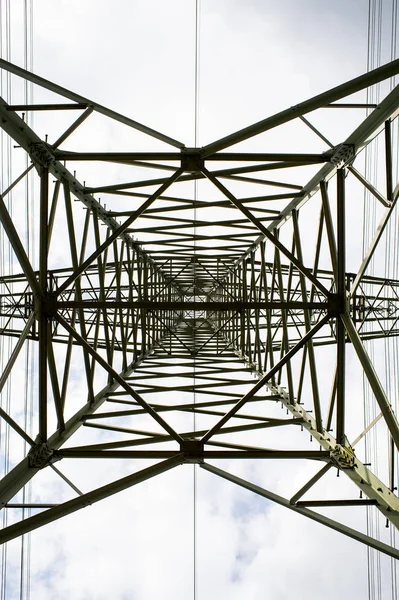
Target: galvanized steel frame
223, 315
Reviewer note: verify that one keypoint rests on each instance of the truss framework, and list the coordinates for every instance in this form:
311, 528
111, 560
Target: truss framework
163, 296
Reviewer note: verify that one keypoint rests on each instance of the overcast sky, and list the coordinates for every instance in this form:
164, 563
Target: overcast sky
137, 57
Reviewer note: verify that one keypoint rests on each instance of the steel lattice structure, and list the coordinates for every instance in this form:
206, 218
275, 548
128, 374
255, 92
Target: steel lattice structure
173, 295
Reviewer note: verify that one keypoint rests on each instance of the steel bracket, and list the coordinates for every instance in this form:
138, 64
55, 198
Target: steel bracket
343, 457
40, 456
342, 154
191, 160
41, 154
193, 451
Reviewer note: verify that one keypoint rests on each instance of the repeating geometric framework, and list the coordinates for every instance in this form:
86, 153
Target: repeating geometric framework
158, 295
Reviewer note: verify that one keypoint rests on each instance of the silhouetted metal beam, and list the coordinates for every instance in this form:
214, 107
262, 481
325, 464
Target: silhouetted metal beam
340, 527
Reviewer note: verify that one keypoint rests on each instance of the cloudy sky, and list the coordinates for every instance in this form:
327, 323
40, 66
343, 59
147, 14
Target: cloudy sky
137, 57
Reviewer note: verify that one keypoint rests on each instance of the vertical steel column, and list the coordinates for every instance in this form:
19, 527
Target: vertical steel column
340, 406
388, 160
42, 315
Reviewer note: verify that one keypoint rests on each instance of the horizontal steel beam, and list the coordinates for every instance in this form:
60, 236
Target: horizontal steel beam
27, 107
177, 156
190, 305
211, 454
337, 503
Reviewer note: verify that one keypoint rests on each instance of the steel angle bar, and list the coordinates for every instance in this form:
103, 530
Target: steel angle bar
369, 484
53, 210
29, 141
67, 481
17, 180
337, 503
375, 384
43, 320
30, 505
215, 333
52, 367
369, 187
15, 480
388, 159
4, 415
267, 233
263, 157
271, 166
34, 107
234, 446
358, 139
18, 248
332, 244
374, 243
116, 454
77, 294
23, 472
162, 305
73, 127
341, 292
122, 382
161, 438
76, 421
119, 156
173, 333
307, 321
351, 105
366, 430
332, 524
248, 454
340, 381
57, 89
139, 157
316, 131
345, 89
119, 187
16, 350
279, 288
305, 488
257, 180
177, 156
266, 377
84, 500
118, 232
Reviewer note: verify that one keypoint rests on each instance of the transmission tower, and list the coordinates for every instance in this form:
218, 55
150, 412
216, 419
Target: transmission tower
232, 310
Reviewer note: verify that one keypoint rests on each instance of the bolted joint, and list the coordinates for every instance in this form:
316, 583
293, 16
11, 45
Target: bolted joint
40, 456
49, 304
191, 160
193, 451
342, 154
29, 304
343, 457
41, 154
333, 305
338, 304
358, 308
45, 306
